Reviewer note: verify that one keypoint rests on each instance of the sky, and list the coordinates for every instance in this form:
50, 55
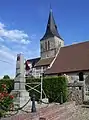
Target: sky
23, 23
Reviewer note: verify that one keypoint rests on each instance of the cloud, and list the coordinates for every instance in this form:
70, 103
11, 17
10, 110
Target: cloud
7, 53
9, 48
8, 58
1, 39
33, 36
17, 36
7, 61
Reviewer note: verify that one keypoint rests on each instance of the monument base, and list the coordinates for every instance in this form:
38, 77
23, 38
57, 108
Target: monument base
45, 101
21, 97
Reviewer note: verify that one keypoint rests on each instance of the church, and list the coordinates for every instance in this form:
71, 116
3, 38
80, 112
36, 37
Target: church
56, 59
50, 45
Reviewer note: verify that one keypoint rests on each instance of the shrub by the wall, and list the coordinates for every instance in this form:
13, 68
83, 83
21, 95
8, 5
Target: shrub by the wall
54, 87
6, 100
9, 83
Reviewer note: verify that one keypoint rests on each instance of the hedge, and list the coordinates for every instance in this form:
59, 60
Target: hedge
54, 87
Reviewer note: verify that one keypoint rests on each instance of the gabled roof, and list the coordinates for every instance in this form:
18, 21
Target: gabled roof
33, 61
51, 29
44, 62
71, 58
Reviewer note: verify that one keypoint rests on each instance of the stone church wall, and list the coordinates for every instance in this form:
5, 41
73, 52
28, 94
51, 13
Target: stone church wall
74, 77
75, 95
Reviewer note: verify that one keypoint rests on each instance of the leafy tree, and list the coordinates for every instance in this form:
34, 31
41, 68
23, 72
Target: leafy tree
9, 83
6, 100
6, 77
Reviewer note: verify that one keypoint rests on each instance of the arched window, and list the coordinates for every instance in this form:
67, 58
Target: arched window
45, 45
48, 45
81, 78
59, 44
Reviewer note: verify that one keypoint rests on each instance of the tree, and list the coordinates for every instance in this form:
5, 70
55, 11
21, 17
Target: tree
6, 77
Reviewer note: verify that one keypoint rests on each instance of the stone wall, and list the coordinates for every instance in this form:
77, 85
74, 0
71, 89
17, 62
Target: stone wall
74, 94
74, 77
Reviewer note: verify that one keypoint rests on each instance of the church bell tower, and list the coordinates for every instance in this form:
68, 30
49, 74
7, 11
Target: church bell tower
51, 41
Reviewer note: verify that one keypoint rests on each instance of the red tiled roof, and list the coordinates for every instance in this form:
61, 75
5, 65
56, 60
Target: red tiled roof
71, 59
44, 62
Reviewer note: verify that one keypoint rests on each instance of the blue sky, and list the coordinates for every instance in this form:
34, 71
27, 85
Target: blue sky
23, 23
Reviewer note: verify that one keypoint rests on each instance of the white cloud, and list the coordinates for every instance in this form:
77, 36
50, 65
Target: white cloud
33, 36
8, 58
7, 61
1, 25
13, 35
1, 39
9, 51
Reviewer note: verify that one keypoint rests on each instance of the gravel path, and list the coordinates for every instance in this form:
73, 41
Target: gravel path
74, 113
80, 114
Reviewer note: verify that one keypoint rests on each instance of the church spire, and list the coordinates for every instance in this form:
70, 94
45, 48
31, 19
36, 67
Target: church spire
51, 29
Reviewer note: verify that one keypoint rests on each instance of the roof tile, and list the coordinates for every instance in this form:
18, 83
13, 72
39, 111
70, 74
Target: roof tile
71, 58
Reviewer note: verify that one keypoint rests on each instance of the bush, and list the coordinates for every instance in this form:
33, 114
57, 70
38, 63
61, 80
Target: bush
6, 100
9, 83
6, 77
53, 87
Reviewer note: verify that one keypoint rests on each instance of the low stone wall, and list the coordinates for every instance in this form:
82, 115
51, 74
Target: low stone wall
76, 95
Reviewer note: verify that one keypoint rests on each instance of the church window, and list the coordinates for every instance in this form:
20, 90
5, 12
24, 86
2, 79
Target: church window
59, 44
45, 45
80, 87
48, 45
81, 78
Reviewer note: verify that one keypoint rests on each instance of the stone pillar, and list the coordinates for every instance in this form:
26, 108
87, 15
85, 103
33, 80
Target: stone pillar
21, 95
20, 71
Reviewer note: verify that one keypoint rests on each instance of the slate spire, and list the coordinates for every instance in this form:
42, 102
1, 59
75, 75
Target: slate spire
51, 29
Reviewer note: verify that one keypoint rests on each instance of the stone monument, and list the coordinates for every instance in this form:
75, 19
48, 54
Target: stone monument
21, 95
